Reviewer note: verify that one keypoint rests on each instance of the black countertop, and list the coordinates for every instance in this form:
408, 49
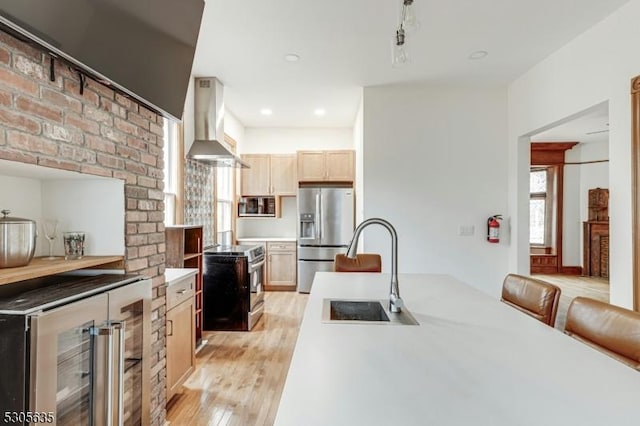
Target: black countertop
26, 297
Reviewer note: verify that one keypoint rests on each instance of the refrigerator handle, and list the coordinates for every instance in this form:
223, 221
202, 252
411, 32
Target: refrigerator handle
318, 222
120, 326
106, 331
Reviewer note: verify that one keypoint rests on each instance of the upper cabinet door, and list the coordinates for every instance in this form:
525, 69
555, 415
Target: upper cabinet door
340, 165
311, 166
326, 166
255, 180
283, 174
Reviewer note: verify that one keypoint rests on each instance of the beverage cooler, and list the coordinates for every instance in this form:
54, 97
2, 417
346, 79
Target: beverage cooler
78, 347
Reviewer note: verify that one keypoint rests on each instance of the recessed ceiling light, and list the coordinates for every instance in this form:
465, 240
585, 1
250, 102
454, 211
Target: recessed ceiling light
319, 112
292, 57
478, 54
266, 111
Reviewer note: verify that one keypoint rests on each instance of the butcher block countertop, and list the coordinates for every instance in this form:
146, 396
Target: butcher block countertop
42, 266
472, 360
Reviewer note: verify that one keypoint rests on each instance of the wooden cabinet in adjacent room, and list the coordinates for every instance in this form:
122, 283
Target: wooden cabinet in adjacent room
596, 249
184, 250
281, 265
326, 166
596, 235
180, 329
269, 174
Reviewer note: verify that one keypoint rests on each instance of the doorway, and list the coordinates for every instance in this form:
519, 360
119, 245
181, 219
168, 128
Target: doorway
563, 188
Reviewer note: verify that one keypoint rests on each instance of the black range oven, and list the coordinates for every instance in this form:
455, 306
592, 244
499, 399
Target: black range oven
232, 288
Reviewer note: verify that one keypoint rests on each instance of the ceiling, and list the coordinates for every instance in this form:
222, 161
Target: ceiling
346, 45
589, 127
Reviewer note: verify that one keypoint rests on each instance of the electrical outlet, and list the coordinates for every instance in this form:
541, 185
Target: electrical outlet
466, 230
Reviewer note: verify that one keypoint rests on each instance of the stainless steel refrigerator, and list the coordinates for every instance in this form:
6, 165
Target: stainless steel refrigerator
325, 228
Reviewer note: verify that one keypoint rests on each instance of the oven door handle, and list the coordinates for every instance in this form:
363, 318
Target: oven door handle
257, 265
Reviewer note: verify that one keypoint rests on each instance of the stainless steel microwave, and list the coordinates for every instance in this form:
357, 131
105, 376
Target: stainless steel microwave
257, 207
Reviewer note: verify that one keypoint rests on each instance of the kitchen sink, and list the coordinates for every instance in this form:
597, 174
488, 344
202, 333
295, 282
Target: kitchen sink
364, 312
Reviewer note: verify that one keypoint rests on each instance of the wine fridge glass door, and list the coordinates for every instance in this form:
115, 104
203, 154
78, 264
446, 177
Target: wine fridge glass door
65, 374
130, 312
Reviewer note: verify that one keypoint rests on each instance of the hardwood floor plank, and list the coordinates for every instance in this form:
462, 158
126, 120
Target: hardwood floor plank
239, 376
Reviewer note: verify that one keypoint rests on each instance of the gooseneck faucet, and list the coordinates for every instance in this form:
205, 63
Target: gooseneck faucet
395, 302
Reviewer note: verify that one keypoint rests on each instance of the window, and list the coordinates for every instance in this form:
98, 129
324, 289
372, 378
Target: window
225, 189
224, 204
170, 170
540, 206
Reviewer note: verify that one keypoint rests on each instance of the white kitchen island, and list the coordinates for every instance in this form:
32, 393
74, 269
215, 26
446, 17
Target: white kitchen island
472, 361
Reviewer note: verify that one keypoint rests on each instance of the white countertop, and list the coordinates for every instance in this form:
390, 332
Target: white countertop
472, 361
171, 275
278, 239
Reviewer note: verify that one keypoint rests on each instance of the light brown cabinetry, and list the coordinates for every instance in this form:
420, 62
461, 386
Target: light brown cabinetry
184, 250
283, 174
326, 166
255, 179
269, 174
180, 333
596, 249
281, 265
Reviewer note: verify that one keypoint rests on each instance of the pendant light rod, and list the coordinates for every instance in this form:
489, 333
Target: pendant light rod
408, 23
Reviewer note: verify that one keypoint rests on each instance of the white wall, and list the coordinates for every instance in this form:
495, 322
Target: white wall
23, 197
571, 222
95, 206
358, 143
595, 67
234, 128
289, 140
435, 158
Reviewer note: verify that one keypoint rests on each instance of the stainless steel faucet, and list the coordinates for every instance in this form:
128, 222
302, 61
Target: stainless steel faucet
395, 302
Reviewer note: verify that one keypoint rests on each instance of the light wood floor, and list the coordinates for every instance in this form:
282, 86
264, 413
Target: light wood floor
240, 375
573, 286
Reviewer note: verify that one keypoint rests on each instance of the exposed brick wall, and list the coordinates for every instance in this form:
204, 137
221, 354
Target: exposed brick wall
100, 133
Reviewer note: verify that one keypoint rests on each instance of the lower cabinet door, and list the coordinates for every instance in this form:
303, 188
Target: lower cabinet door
282, 270
180, 346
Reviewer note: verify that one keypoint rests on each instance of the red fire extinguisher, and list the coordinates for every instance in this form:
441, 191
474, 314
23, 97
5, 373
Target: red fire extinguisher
493, 228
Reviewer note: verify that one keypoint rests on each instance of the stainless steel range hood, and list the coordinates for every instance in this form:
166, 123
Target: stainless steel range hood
209, 126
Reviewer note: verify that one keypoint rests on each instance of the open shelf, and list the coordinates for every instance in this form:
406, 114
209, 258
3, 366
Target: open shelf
184, 250
41, 266
188, 256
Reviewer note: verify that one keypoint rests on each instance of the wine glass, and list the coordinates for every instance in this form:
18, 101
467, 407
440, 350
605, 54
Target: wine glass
50, 227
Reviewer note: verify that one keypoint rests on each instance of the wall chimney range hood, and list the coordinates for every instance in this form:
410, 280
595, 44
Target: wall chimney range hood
209, 126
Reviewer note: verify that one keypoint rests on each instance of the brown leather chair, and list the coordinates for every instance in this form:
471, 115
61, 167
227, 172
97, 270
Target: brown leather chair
536, 298
607, 328
364, 262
